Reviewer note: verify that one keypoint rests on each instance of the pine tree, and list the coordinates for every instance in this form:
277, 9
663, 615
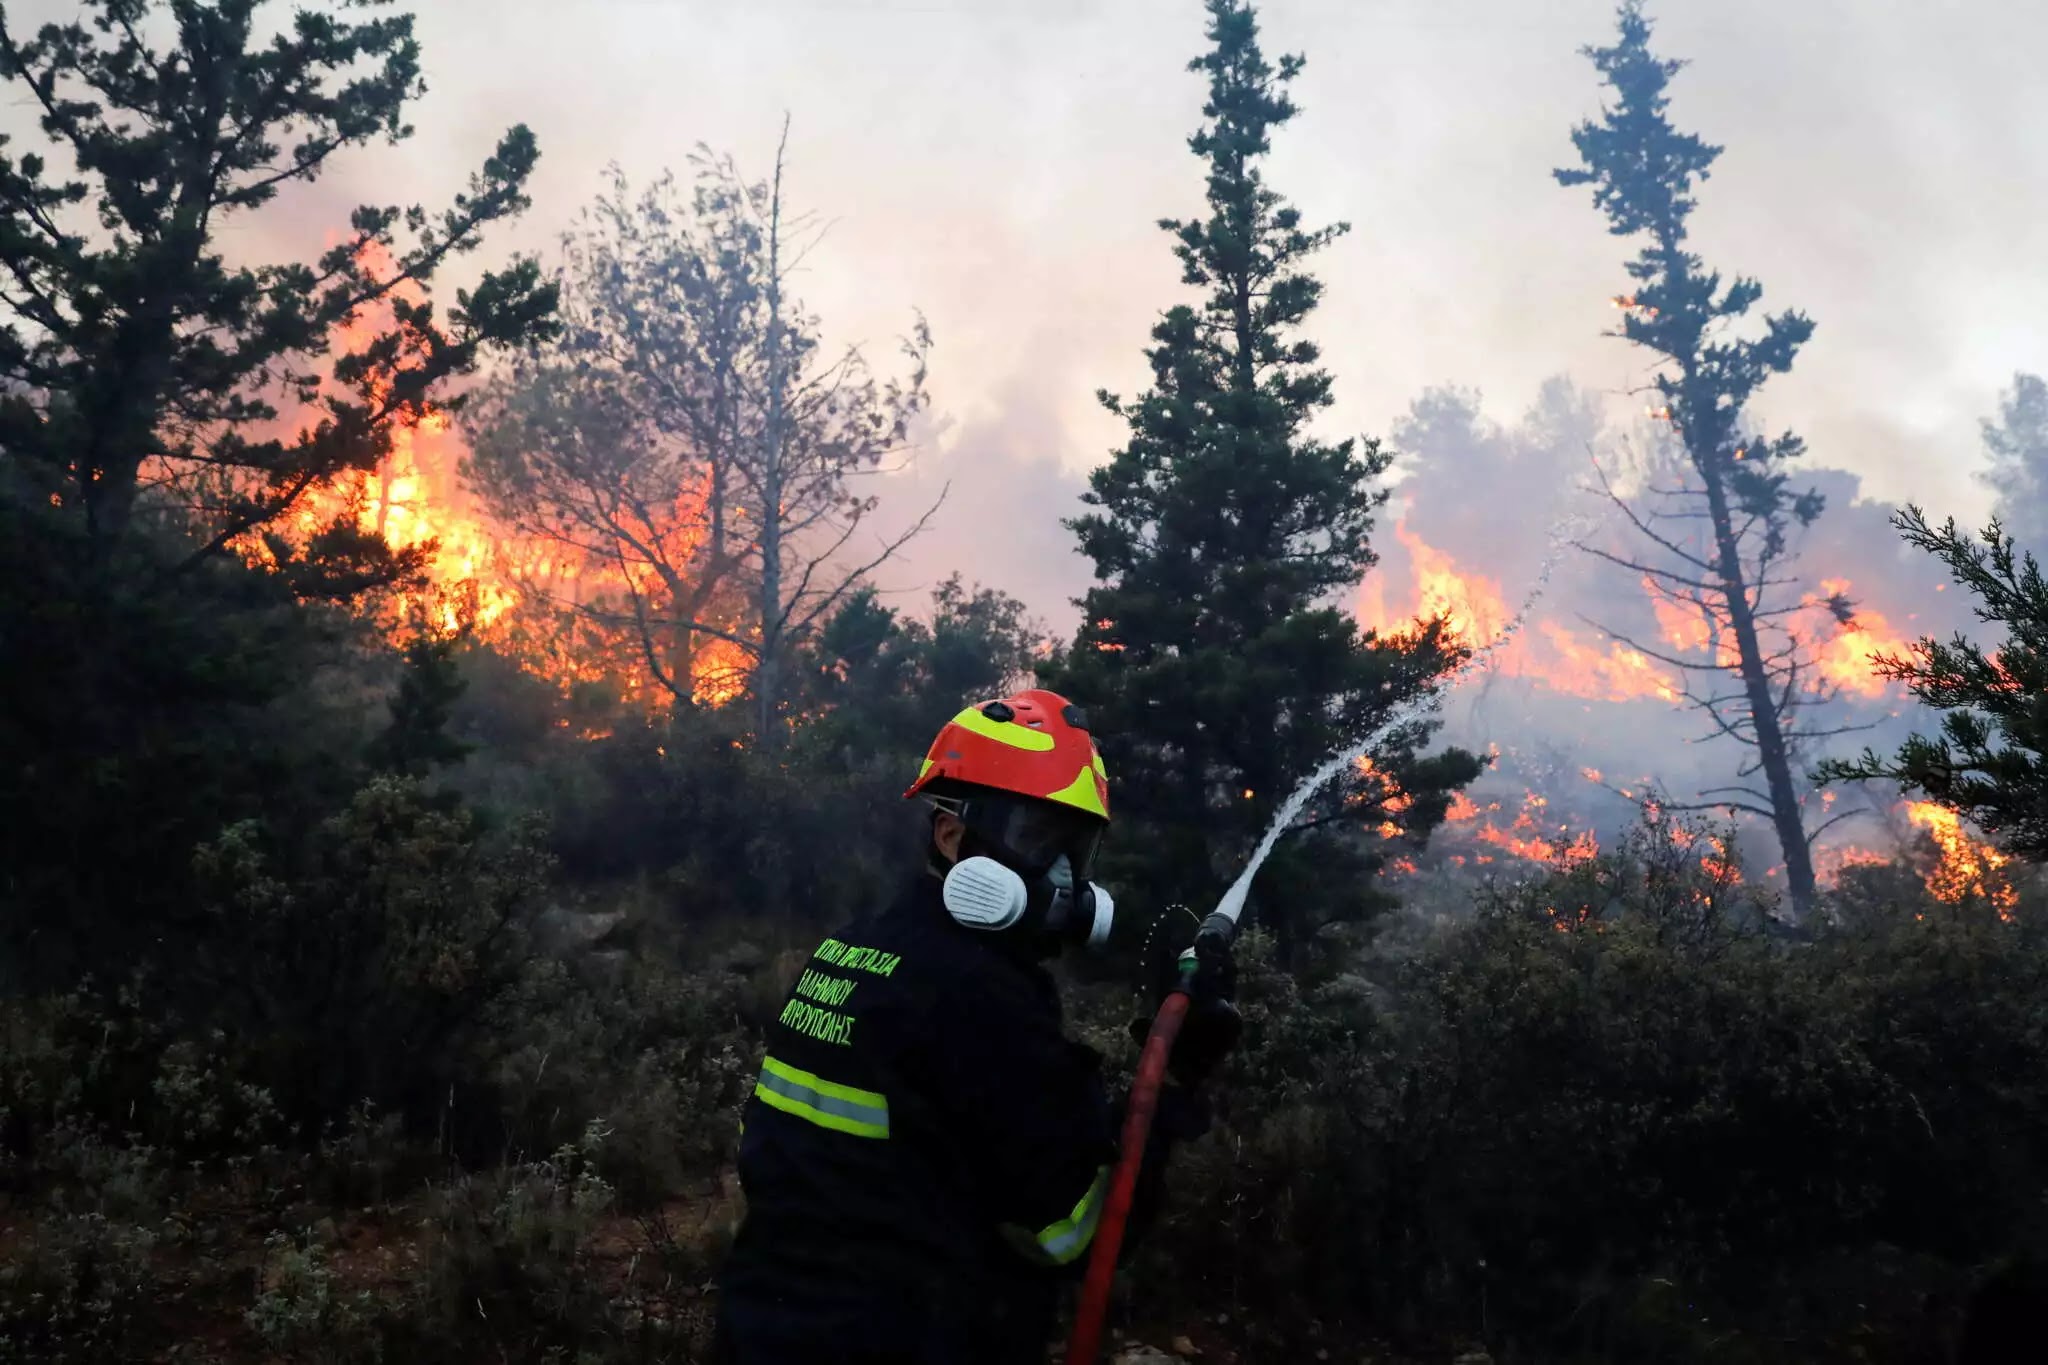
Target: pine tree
1990, 761
1721, 539
1214, 665
140, 368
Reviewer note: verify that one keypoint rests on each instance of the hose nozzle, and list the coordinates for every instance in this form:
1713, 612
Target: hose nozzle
1213, 939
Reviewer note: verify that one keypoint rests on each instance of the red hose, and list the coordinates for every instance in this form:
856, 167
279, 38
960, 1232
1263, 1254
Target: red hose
1109, 1232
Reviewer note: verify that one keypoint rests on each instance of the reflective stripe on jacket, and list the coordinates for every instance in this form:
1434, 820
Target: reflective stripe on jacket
922, 1139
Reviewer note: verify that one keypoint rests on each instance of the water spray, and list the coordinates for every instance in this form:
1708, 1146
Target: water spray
1213, 942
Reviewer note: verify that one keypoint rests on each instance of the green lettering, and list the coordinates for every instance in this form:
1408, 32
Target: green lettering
830, 990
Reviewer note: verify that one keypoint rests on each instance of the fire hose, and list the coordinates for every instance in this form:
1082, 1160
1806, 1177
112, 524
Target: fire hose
1086, 1341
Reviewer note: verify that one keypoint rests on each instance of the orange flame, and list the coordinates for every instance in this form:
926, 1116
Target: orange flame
1846, 655
1475, 613
478, 571
1968, 866
1471, 605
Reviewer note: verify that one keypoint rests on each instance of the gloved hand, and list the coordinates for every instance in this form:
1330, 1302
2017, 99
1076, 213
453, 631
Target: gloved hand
1212, 1025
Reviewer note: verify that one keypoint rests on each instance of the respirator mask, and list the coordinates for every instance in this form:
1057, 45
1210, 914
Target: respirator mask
1023, 869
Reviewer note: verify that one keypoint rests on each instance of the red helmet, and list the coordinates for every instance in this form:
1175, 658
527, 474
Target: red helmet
1035, 744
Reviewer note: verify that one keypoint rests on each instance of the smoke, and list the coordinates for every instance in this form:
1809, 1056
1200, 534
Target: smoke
1007, 476
1583, 730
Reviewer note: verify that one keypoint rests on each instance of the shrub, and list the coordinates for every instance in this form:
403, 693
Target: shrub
74, 1290
359, 967
509, 1266
302, 1314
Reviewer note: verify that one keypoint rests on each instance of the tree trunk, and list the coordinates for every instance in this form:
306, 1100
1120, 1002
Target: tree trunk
1772, 754
766, 679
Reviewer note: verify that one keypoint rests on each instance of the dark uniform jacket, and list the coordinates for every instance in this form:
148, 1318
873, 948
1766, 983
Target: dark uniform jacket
924, 1158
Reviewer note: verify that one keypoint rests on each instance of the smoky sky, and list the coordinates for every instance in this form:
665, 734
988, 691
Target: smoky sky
1001, 167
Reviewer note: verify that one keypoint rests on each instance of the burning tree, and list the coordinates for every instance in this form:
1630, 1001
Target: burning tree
1990, 761
693, 445
2018, 445
169, 411
1211, 659
1719, 520
143, 371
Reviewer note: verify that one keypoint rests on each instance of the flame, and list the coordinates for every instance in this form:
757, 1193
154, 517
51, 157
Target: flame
1470, 604
1531, 835
1475, 612
1968, 866
1618, 674
480, 573
415, 501
1847, 653
1718, 864
1830, 863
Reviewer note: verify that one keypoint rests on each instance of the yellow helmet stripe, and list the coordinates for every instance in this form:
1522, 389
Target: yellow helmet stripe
1082, 793
1004, 731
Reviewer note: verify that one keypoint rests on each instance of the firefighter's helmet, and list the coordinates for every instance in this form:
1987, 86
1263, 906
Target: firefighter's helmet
1034, 744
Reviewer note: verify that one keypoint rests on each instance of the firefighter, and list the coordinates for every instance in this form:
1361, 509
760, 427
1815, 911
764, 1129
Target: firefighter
926, 1154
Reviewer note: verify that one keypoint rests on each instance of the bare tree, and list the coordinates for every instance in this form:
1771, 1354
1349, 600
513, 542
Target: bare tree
694, 436
1717, 522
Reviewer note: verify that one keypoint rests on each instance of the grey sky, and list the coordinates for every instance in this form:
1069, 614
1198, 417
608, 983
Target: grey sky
1000, 165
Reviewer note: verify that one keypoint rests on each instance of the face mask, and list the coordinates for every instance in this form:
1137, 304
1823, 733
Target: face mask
982, 893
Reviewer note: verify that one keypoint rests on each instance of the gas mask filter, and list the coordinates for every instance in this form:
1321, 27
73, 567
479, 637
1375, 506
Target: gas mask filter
984, 894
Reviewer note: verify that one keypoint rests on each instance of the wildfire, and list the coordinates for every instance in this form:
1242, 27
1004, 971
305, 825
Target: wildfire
1470, 604
1846, 654
1718, 864
1531, 835
1830, 863
479, 572
1392, 799
1475, 612
415, 501
1617, 674
1968, 866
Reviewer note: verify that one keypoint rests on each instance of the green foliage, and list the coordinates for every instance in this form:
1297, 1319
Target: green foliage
155, 688
100, 1091
1623, 1115
361, 964
510, 1263
131, 340
1990, 760
1214, 667
75, 1291
139, 718
875, 684
661, 1058
302, 1314
417, 740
